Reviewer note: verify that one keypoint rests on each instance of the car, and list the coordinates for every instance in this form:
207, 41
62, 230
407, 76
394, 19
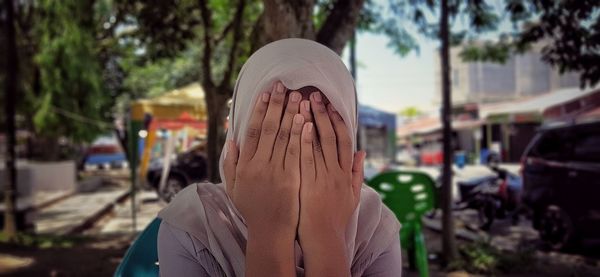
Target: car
186, 168
561, 179
104, 153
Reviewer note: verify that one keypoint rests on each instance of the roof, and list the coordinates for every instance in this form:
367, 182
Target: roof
535, 105
426, 125
172, 104
421, 125
369, 116
190, 95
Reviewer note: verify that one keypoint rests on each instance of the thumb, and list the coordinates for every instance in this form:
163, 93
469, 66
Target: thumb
230, 165
358, 175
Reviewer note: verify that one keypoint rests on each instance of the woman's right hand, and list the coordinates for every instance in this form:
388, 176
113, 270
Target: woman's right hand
263, 180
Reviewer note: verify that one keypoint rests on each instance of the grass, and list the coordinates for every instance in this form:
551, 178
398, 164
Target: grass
43, 241
481, 257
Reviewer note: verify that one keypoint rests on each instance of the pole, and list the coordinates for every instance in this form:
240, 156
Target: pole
352, 60
10, 92
448, 240
133, 152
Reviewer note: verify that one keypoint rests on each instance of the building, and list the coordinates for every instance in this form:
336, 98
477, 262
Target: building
498, 107
503, 127
523, 75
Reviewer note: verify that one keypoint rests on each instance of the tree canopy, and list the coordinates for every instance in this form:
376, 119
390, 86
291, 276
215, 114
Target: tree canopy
569, 32
80, 59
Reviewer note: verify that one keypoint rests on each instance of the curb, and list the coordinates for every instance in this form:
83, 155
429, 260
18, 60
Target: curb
50, 202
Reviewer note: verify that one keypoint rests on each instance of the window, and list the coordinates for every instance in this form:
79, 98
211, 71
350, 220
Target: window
587, 148
455, 79
554, 145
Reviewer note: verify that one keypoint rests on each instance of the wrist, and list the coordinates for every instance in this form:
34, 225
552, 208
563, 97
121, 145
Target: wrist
317, 241
326, 255
267, 233
269, 254
321, 233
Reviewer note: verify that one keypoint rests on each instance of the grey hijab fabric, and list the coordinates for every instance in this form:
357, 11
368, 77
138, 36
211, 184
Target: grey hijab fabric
206, 212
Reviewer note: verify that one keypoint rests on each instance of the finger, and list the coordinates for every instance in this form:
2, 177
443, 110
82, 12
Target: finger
230, 165
358, 172
270, 125
283, 136
318, 154
305, 111
252, 136
292, 156
307, 160
344, 142
327, 137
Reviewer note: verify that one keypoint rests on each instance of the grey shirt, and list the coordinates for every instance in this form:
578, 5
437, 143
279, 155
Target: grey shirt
181, 255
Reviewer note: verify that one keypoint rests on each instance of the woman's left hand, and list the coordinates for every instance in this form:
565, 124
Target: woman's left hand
331, 179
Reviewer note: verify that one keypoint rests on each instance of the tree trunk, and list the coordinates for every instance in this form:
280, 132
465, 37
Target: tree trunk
287, 19
340, 24
449, 243
12, 69
216, 105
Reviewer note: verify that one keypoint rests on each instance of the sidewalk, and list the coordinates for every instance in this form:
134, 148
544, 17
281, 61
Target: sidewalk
40, 200
77, 212
120, 222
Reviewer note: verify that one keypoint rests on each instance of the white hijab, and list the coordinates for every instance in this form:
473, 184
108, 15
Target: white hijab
206, 212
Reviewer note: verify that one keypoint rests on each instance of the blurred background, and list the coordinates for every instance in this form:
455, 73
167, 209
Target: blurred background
481, 120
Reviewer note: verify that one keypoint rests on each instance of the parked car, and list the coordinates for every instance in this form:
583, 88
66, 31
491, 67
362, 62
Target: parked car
561, 175
104, 156
186, 168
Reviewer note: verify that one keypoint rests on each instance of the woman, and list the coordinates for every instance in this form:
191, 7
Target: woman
292, 202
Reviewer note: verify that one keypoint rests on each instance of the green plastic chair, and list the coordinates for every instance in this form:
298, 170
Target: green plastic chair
141, 259
409, 195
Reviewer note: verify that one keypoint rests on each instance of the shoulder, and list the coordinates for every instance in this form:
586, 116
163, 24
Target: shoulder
372, 206
180, 254
175, 240
377, 228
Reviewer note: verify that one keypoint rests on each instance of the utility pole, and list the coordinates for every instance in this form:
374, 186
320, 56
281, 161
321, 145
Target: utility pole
10, 92
449, 242
352, 61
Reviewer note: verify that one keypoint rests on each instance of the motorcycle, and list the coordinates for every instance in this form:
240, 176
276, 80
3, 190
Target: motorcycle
496, 196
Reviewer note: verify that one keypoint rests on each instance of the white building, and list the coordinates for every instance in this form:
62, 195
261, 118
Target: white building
521, 76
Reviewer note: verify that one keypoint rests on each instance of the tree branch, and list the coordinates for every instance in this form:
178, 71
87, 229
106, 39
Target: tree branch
225, 31
340, 24
237, 35
257, 35
207, 24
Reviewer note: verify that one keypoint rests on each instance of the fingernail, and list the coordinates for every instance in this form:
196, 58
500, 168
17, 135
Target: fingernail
317, 96
265, 97
279, 87
296, 97
309, 128
298, 118
307, 106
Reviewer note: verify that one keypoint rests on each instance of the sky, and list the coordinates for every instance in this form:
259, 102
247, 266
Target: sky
389, 82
